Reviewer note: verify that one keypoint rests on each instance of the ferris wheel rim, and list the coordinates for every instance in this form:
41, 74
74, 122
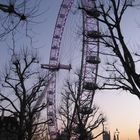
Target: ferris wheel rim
54, 65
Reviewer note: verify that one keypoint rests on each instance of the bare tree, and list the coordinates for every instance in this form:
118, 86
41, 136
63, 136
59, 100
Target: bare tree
121, 69
21, 85
41, 132
17, 14
73, 121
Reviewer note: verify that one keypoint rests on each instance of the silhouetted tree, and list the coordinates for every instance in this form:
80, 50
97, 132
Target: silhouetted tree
16, 15
21, 85
73, 120
121, 69
41, 133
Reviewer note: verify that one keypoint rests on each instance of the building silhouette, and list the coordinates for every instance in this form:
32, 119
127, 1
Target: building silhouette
106, 135
116, 135
139, 132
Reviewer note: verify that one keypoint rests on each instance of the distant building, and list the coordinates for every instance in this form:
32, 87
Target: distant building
8, 128
106, 135
116, 134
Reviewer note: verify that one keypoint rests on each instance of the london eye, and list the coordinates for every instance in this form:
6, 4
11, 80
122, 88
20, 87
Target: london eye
88, 64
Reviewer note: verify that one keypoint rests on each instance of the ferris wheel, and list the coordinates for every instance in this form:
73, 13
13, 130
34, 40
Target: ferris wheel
89, 61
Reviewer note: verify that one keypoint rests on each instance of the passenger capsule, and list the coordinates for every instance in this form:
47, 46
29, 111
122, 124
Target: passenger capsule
93, 13
90, 86
94, 34
86, 110
93, 59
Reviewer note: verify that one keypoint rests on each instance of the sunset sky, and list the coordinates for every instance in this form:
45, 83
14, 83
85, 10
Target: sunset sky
121, 109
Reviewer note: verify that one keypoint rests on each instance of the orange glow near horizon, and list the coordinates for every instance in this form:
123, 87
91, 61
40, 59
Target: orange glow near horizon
122, 111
